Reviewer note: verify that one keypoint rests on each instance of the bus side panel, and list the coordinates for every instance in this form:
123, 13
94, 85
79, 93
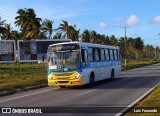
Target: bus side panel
96, 69
117, 70
85, 75
108, 72
105, 70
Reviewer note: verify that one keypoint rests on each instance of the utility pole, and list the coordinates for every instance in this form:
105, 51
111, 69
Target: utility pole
125, 47
155, 51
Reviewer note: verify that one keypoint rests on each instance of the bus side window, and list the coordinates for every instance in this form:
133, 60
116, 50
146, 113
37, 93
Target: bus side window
111, 54
90, 54
115, 55
96, 55
107, 53
84, 57
118, 55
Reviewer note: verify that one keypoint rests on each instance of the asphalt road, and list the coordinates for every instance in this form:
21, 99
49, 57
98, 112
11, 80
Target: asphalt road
105, 95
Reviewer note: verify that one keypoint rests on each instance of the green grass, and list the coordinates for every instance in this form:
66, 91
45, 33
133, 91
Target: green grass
153, 100
21, 75
131, 64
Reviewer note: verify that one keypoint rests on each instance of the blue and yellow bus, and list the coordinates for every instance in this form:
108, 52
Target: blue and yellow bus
79, 63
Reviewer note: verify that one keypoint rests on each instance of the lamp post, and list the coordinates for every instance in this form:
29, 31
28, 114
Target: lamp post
125, 42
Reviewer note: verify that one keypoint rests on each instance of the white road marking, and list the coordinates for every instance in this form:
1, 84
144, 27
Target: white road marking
85, 92
28, 95
133, 103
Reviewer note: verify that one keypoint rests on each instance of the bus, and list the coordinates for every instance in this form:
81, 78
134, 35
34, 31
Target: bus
79, 63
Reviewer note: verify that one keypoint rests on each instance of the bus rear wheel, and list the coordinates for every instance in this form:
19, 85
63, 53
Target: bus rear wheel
62, 86
91, 79
112, 75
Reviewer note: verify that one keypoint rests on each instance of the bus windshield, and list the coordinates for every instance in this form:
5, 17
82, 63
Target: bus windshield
67, 60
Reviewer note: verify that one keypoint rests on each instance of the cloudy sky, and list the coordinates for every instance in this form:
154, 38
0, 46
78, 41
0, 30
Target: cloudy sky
142, 17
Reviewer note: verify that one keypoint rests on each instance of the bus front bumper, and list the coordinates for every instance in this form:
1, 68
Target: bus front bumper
73, 82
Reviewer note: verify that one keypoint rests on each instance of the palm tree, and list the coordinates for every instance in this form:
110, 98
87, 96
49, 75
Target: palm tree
107, 40
29, 23
47, 27
102, 40
86, 36
2, 23
69, 31
7, 33
148, 51
93, 36
113, 40
58, 35
66, 28
21, 19
138, 45
74, 34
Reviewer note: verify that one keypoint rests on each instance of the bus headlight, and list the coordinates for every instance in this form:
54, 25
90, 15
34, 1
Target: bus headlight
77, 75
51, 77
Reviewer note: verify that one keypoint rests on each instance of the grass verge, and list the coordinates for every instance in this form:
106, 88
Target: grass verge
16, 77
131, 64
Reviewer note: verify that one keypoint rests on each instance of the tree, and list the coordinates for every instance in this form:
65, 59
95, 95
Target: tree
86, 36
29, 23
7, 32
107, 40
2, 23
47, 27
138, 45
74, 34
65, 28
21, 19
58, 35
113, 40
15, 35
93, 36
69, 31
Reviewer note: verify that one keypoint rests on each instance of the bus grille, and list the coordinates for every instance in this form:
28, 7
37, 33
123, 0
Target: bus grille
63, 78
63, 81
63, 74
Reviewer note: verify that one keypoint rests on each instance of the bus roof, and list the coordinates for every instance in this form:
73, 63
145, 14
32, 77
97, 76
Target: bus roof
88, 45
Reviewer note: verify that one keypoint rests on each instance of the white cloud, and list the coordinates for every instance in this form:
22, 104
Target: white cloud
120, 19
103, 25
132, 20
156, 20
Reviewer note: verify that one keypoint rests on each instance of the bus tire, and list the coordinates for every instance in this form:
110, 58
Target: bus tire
62, 86
91, 79
112, 75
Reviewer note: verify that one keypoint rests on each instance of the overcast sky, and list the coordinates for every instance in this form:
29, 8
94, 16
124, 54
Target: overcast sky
142, 17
